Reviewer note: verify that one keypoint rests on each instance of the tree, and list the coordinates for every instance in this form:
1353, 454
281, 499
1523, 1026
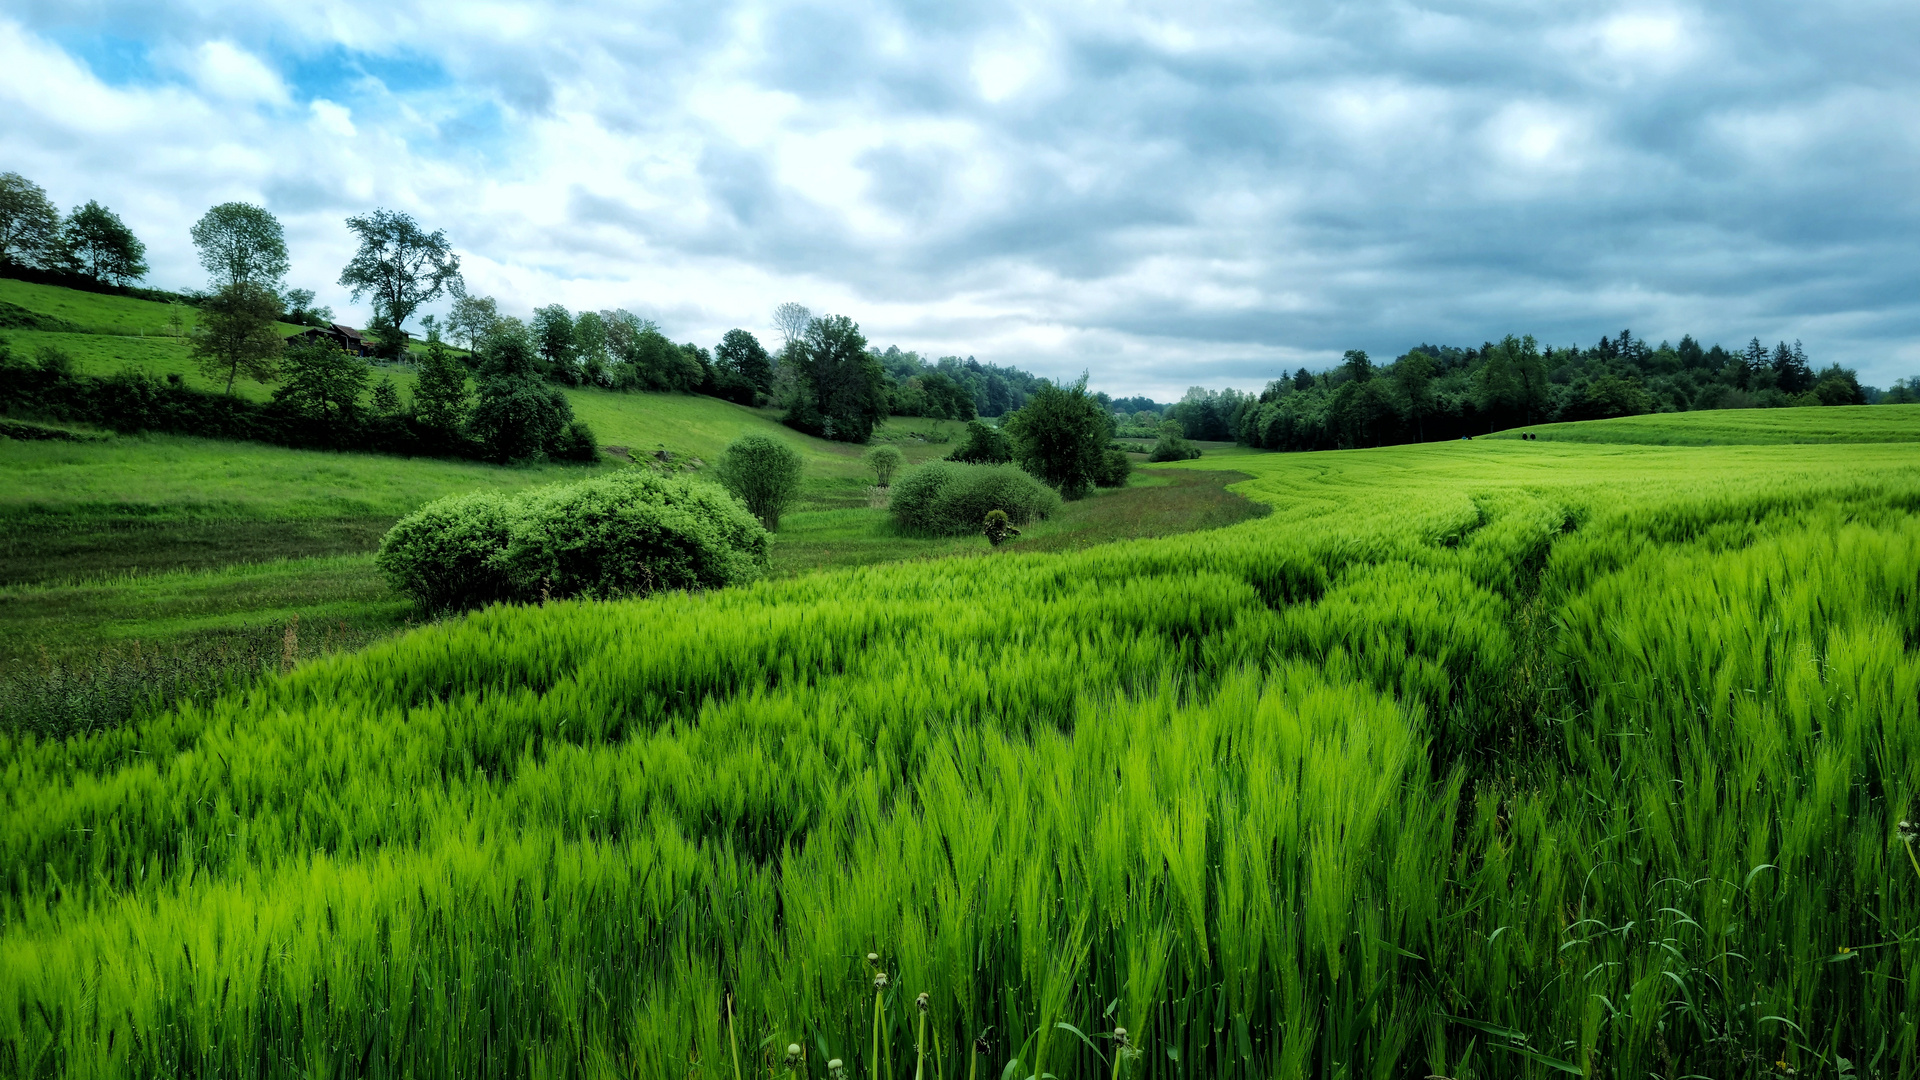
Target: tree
884, 461
235, 335
1413, 374
553, 335
29, 223
440, 394
1060, 435
472, 318
399, 263
1791, 372
741, 355
516, 414
242, 244
985, 445
841, 389
322, 382
1839, 386
1303, 380
95, 242
590, 347
791, 320
1172, 444
765, 473
302, 310
1357, 365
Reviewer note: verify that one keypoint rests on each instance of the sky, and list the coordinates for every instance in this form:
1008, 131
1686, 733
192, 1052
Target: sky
1162, 195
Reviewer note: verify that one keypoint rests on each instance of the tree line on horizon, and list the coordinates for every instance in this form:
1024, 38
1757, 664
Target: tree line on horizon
1443, 392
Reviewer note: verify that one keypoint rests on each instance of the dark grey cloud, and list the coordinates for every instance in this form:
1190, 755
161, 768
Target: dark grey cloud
1168, 194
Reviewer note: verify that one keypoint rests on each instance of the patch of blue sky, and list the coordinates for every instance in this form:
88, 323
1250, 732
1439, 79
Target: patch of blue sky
341, 74
116, 61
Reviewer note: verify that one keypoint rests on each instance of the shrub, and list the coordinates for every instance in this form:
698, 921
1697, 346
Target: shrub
577, 444
1115, 468
765, 473
1172, 446
884, 461
628, 534
947, 497
985, 445
450, 552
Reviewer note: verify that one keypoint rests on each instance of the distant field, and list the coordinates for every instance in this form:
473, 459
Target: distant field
1728, 427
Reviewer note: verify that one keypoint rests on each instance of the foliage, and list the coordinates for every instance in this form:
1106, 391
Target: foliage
742, 358
235, 335
1410, 776
628, 534
242, 244
764, 473
1115, 469
516, 415
552, 330
884, 460
440, 392
472, 318
999, 528
985, 445
29, 223
1060, 435
322, 382
96, 243
1172, 445
402, 265
839, 391
942, 497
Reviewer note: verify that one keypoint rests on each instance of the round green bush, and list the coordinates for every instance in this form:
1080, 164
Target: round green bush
628, 534
950, 497
764, 472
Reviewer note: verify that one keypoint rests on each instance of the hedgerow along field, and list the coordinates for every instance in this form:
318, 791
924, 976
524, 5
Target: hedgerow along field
1471, 759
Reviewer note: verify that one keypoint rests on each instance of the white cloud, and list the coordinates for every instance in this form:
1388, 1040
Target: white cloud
1166, 194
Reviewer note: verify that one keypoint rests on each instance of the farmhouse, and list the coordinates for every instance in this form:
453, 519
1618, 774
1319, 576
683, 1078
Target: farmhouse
355, 342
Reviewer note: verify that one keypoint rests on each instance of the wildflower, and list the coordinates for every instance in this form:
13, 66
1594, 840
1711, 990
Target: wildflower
880, 980
921, 1001
793, 1054
836, 1069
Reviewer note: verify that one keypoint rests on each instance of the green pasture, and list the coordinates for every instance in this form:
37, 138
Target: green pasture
1722, 427
1477, 759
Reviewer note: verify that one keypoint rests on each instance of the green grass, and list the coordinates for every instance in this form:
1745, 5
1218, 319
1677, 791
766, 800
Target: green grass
1479, 759
97, 313
1727, 427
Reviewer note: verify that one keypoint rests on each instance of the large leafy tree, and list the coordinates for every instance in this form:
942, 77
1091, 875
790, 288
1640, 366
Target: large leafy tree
98, 244
235, 336
242, 244
741, 355
400, 264
472, 318
842, 390
1060, 435
29, 223
516, 413
553, 335
1413, 374
322, 381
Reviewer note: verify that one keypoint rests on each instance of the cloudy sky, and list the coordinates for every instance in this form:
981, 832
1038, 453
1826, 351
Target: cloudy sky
1164, 194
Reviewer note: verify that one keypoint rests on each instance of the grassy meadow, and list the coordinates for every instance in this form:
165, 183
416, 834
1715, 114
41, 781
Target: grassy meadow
1477, 759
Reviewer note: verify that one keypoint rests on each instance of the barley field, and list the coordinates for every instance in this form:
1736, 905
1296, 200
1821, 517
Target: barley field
1478, 759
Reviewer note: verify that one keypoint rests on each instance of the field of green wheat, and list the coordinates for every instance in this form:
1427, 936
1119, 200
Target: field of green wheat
1487, 759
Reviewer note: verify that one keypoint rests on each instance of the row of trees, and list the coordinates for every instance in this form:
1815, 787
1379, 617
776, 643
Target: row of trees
91, 242
1435, 392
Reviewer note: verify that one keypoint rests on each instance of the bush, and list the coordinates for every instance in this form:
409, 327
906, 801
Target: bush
884, 461
985, 445
1172, 445
765, 473
1115, 468
947, 497
577, 444
628, 534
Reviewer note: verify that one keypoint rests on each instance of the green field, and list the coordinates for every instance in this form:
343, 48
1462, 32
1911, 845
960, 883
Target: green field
1724, 427
1477, 759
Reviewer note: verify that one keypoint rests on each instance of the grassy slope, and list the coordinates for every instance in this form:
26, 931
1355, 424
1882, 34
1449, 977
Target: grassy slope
1418, 746
1722, 427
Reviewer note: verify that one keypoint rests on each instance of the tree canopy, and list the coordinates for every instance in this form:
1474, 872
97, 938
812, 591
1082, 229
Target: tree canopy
400, 264
95, 242
242, 244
